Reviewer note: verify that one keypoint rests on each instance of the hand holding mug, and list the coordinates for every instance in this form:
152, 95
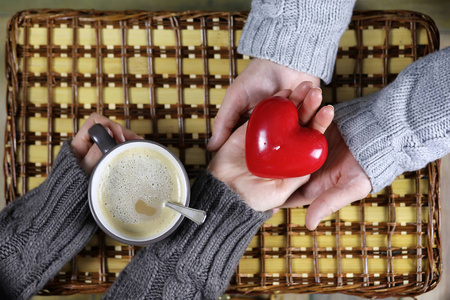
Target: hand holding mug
87, 153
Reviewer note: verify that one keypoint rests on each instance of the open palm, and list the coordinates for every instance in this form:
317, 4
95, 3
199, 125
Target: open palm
339, 182
263, 194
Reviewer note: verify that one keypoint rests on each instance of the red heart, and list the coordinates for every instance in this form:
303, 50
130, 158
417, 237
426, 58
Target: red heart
276, 146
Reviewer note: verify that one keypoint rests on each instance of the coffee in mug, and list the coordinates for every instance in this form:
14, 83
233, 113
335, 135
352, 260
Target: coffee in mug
129, 189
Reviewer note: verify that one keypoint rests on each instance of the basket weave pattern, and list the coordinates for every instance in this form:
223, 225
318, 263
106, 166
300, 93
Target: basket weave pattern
164, 76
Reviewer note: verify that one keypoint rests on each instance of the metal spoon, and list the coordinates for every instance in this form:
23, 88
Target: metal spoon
196, 215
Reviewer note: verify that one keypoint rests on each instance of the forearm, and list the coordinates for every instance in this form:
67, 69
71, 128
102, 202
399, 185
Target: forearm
196, 262
302, 35
405, 125
44, 229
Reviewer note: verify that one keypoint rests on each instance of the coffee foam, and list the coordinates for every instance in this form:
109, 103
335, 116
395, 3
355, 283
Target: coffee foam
139, 174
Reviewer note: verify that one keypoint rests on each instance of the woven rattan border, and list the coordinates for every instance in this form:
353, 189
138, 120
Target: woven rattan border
424, 252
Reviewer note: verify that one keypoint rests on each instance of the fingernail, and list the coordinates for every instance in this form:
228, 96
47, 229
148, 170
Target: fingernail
211, 139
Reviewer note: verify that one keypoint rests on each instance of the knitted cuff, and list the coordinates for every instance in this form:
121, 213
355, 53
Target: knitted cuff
220, 244
368, 141
66, 213
197, 261
302, 35
403, 126
44, 229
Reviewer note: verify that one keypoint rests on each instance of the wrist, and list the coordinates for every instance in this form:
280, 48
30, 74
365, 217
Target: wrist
286, 76
204, 256
297, 34
367, 140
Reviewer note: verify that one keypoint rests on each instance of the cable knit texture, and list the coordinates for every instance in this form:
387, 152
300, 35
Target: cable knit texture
302, 35
405, 125
197, 261
44, 229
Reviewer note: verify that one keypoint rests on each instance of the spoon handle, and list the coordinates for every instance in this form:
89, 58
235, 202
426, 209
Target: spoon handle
198, 216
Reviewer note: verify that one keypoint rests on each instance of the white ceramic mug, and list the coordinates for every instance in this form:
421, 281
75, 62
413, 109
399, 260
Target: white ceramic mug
122, 181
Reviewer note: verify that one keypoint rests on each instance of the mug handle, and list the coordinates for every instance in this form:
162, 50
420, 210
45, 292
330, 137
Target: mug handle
101, 137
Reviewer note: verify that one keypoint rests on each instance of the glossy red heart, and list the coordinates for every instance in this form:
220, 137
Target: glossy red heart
276, 146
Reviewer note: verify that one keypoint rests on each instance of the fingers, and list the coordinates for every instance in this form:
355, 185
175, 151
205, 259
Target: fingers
237, 102
90, 159
290, 185
298, 198
266, 194
94, 154
322, 119
82, 144
116, 129
310, 105
283, 93
130, 135
308, 100
228, 116
233, 106
82, 141
299, 93
334, 199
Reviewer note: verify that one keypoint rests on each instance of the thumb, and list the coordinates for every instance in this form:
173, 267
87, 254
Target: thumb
227, 117
334, 199
275, 192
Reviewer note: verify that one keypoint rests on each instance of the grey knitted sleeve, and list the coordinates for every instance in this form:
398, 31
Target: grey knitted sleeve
405, 125
196, 262
301, 34
44, 229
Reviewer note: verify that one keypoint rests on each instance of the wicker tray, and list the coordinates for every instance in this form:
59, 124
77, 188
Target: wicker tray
164, 76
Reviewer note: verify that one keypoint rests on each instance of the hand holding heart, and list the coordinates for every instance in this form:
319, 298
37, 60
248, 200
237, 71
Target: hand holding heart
260, 80
259, 193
